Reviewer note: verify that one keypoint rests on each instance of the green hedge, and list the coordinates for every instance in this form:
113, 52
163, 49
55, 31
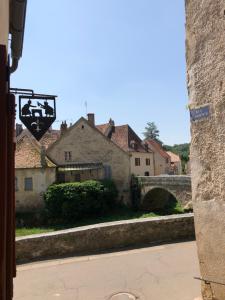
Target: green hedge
69, 202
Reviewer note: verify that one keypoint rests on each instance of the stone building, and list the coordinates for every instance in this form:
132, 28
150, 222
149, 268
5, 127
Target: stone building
82, 152
141, 156
161, 158
34, 173
205, 46
175, 163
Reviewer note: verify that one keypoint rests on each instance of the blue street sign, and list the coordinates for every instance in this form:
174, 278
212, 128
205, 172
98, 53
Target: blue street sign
199, 113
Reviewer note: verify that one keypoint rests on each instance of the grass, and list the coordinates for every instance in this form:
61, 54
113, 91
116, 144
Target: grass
29, 231
119, 214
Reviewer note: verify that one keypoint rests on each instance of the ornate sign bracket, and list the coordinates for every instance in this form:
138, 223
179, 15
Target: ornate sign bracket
36, 111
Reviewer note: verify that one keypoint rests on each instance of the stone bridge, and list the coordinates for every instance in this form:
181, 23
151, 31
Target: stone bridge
160, 189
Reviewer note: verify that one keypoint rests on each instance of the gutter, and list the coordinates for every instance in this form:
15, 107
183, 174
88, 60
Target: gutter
17, 26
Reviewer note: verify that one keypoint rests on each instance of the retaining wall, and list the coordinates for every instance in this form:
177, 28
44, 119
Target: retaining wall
105, 236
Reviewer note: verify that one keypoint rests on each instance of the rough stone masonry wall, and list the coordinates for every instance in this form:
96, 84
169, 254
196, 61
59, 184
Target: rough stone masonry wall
205, 46
105, 236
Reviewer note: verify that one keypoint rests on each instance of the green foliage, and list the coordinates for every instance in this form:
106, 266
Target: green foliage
69, 202
152, 132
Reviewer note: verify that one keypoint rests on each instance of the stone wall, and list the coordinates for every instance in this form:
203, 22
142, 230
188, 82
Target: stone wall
105, 236
205, 45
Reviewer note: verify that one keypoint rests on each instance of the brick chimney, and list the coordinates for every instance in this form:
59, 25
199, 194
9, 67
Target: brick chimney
91, 119
19, 129
63, 127
111, 128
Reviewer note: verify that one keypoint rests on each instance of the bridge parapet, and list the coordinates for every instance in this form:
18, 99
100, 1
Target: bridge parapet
169, 180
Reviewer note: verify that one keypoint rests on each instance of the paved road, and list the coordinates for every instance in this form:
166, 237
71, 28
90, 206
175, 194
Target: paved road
161, 272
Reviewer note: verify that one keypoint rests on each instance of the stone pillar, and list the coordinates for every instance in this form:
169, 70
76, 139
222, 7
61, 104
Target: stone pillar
205, 47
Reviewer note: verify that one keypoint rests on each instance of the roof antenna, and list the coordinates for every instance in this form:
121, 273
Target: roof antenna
86, 105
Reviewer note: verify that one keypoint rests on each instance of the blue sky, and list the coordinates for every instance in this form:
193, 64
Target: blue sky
126, 58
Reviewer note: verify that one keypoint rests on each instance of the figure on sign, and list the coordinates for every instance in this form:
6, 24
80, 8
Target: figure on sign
26, 108
49, 111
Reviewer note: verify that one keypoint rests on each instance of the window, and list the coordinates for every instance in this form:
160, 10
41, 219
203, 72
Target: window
147, 173
28, 184
77, 177
16, 184
108, 172
137, 161
148, 162
68, 155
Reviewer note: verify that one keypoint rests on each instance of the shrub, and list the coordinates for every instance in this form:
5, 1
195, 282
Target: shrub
69, 202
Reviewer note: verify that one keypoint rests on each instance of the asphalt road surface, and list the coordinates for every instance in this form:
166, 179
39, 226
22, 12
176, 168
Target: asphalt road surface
164, 272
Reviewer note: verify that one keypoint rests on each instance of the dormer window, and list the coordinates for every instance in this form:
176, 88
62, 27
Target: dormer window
133, 145
68, 155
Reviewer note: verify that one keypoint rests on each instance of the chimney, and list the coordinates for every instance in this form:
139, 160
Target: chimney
63, 127
91, 119
111, 122
146, 147
19, 129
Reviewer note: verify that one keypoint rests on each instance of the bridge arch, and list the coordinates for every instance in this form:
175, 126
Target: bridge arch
158, 198
177, 186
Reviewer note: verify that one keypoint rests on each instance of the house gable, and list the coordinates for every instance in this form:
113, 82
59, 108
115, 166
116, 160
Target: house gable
29, 154
86, 144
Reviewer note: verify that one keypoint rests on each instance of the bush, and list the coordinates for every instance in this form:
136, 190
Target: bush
69, 202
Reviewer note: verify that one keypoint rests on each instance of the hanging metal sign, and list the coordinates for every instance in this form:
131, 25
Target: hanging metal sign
37, 113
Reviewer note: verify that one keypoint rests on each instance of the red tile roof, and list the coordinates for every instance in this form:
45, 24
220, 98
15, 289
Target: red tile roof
158, 148
122, 136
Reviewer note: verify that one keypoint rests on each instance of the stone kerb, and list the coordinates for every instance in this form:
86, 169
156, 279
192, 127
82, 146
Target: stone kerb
106, 236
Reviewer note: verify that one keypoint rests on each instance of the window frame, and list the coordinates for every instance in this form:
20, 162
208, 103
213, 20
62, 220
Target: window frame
28, 187
68, 155
137, 161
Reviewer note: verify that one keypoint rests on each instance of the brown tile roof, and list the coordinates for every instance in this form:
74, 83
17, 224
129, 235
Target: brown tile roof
158, 148
28, 153
174, 157
122, 136
47, 140
103, 127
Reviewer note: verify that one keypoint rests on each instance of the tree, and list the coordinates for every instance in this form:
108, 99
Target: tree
151, 132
